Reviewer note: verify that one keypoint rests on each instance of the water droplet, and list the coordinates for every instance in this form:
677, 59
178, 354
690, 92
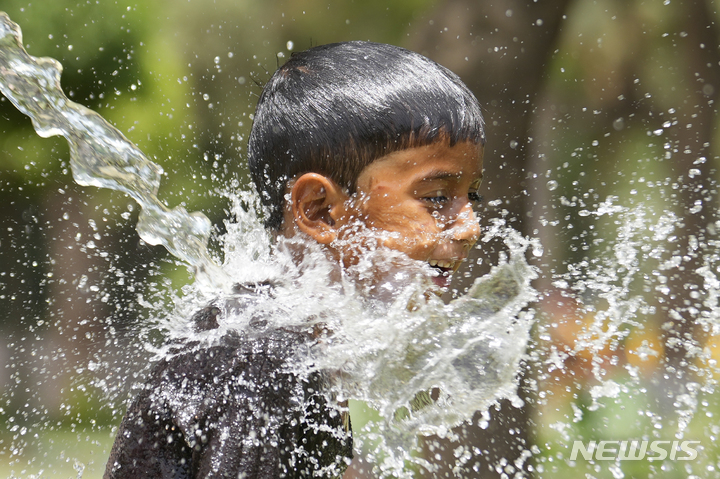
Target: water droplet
552, 185
290, 45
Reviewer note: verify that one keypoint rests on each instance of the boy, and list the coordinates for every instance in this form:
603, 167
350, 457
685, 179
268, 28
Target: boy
354, 146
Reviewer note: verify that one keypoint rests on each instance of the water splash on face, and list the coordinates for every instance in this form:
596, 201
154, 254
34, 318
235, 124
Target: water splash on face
427, 366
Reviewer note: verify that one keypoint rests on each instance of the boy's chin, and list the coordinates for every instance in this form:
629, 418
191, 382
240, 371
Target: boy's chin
384, 274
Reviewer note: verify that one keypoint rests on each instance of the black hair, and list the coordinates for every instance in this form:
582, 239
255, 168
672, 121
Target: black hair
335, 108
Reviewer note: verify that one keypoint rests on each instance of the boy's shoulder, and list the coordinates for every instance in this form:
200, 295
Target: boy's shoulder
244, 404
236, 357
258, 365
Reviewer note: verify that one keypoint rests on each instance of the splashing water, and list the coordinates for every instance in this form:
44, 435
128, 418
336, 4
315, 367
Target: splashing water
99, 154
424, 365
429, 368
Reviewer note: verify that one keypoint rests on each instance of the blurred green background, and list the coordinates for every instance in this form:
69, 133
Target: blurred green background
587, 103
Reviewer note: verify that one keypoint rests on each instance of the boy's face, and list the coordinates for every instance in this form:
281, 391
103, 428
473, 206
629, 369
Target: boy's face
418, 201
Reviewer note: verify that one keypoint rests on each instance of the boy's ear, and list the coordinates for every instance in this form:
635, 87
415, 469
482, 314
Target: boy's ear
317, 204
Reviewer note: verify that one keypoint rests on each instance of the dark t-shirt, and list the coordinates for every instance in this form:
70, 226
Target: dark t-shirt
239, 408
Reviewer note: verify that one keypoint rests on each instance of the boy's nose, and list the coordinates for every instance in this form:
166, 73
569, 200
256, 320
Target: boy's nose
465, 226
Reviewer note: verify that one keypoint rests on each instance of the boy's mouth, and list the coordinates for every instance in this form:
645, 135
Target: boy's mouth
445, 269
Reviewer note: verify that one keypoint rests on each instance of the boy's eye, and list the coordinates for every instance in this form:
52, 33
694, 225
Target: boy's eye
473, 194
437, 199
475, 197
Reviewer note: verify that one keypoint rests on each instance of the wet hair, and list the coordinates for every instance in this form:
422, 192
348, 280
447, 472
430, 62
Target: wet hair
336, 108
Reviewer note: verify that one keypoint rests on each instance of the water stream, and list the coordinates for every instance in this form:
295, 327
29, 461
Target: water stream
99, 154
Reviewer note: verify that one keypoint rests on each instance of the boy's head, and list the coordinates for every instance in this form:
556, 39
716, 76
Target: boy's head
331, 112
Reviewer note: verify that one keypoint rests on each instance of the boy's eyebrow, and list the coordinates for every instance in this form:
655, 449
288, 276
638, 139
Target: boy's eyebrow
444, 175
439, 175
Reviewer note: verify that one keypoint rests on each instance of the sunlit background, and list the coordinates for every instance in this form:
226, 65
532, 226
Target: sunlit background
601, 121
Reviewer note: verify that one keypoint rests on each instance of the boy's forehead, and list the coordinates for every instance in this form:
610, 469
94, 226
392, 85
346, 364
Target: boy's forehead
435, 161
